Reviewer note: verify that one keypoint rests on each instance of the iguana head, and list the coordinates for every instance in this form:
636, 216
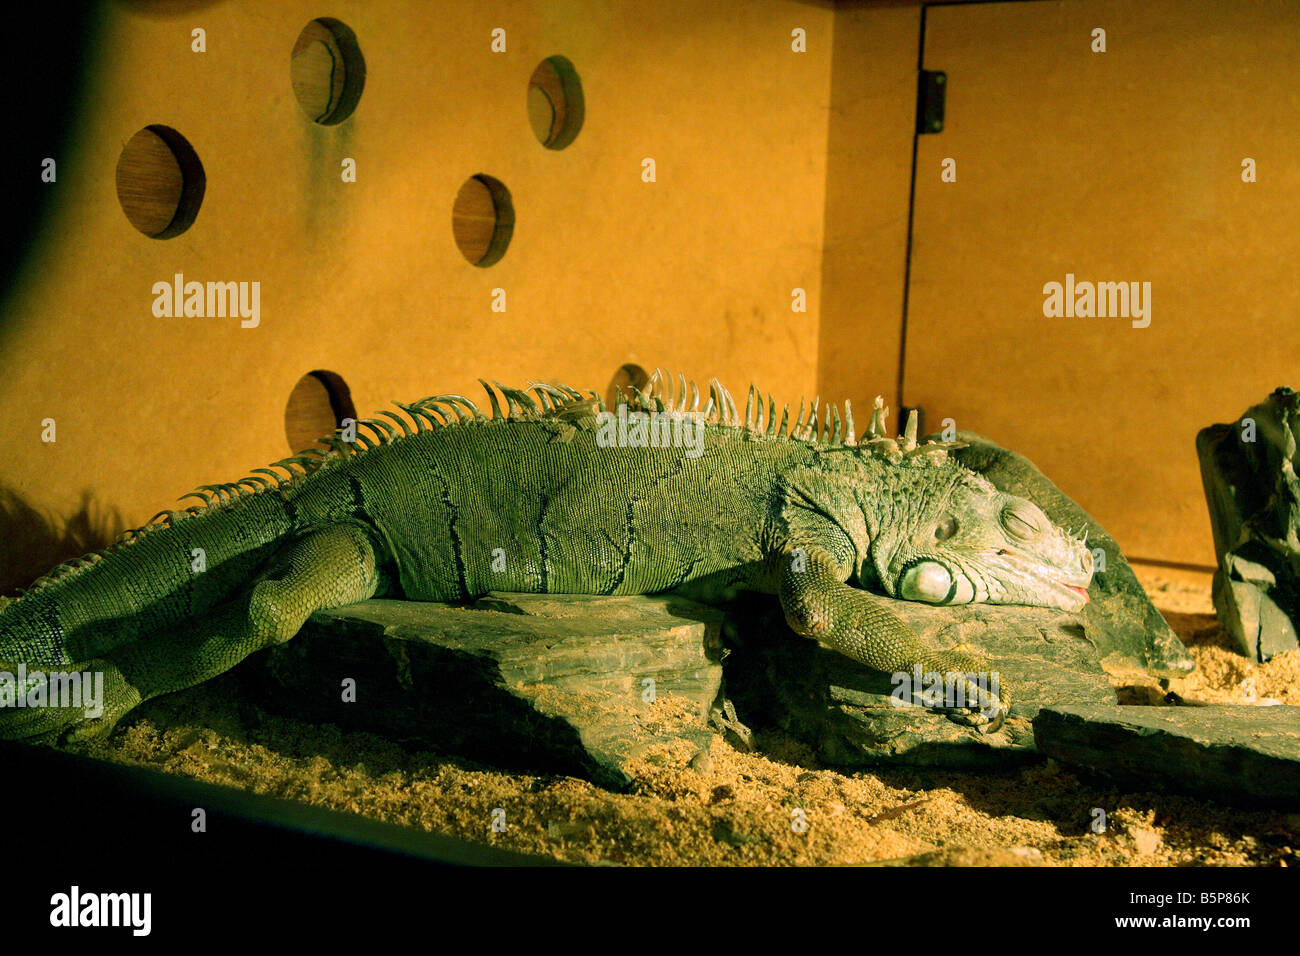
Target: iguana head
946, 535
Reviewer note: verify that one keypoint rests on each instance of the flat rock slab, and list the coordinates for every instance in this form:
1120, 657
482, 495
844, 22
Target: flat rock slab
546, 683
1232, 753
848, 714
1126, 628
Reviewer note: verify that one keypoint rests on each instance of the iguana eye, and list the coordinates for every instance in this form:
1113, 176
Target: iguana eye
945, 529
1020, 524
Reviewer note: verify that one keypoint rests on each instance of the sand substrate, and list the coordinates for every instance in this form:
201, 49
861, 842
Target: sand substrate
775, 806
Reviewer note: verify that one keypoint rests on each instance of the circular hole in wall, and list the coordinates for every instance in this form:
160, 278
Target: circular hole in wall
627, 377
555, 106
317, 405
327, 71
160, 182
483, 220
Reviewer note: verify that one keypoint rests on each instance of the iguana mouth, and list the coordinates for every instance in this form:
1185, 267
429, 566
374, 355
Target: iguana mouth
1055, 580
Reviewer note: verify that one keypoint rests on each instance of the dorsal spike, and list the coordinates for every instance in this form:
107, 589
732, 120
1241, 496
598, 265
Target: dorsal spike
456, 402
401, 422
512, 405
837, 432
513, 408
771, 416
432, 416
749, 410
492, 397
557, 393
446, 404
279, 479
781, 431
876, 427
543, 400
521, 406
909, 431
415, 412
727, 413
850, 438
656, 384
389, 433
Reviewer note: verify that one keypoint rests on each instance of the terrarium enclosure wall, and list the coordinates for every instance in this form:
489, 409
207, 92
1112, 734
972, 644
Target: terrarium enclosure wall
410, 196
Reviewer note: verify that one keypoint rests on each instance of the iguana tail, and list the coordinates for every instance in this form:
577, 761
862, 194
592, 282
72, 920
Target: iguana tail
156, 578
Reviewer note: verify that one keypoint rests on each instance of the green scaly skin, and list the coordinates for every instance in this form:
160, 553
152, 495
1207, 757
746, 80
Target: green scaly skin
458, 503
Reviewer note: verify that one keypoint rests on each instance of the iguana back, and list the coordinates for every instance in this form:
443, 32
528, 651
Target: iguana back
553, 493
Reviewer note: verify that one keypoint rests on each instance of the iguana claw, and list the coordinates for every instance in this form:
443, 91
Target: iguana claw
978, 720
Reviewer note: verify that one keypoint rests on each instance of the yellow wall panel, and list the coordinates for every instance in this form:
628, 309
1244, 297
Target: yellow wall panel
868, 177
693, 272
1115, 166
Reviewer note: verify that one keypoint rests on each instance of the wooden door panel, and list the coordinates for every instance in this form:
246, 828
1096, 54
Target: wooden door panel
1122, 166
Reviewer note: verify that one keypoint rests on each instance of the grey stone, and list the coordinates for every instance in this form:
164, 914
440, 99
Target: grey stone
1125, 627
848, 715
1232, 753
549, 683
1248, 469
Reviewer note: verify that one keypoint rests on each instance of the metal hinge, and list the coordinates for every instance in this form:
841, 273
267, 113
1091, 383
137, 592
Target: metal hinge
929, 101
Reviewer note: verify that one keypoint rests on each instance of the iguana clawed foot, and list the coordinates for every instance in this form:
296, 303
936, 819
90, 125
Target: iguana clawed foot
981, 703
979, 719
961, 685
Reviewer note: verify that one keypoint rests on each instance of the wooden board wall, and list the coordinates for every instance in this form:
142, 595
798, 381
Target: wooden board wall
868, 177
775, 170
693, 272
1117, 166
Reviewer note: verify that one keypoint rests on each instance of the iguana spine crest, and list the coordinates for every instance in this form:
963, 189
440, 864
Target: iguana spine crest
553, 400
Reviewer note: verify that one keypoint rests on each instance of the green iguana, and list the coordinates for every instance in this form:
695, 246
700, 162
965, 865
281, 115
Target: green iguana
445, 503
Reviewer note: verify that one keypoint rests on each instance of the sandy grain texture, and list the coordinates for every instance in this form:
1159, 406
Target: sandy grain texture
773, 807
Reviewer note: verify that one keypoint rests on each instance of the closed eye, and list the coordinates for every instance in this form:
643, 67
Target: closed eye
1020, 524
945, 529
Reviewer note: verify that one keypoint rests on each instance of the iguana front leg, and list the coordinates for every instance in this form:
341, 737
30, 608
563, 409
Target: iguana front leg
819, 604
329, 567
